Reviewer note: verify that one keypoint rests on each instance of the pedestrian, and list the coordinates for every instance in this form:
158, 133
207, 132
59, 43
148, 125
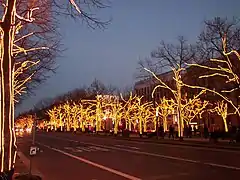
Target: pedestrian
195, 130
161, 130
171, 132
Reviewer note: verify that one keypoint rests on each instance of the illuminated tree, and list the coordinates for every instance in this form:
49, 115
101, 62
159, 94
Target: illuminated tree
128, 111
146, 116
177, 94
224, 69
60, 115
173, 57
221, 109
117, 109
209, 44
24, 122
165, 108
75, 112
53, 117
193, 108
12, 22
99, 113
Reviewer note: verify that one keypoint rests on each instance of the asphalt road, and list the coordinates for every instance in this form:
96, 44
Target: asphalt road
66, 156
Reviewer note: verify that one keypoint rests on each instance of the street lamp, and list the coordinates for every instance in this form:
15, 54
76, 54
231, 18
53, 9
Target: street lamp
157, 113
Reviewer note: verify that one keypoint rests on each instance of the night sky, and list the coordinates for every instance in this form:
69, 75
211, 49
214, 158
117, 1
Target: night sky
137, 27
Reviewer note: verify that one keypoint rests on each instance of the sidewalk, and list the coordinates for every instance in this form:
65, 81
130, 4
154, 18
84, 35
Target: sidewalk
22, 166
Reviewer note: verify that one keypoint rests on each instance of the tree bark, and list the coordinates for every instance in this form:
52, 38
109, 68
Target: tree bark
8, 146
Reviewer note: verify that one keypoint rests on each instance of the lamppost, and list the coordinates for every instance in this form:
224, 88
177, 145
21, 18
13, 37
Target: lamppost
157, 112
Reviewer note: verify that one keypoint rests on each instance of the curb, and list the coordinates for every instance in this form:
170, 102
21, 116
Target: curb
26, 162
192, 144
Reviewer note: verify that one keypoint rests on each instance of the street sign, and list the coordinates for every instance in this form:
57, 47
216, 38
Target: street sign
33, 150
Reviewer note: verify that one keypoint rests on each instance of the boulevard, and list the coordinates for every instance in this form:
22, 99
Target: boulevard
79, 157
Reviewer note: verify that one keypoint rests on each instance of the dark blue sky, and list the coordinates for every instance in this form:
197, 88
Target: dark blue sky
137, 28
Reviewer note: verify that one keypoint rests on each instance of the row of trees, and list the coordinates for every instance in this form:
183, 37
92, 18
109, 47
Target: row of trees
130, 112
208, 69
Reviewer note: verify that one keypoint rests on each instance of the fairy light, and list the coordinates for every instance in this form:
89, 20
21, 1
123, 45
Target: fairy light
193, 108
53, 117
221, 109
224, 68
11, 85
165, 108
177, 94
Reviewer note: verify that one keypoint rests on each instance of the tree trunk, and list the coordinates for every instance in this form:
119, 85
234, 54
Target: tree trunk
8, 140
225, 124
140, 126
164, 124
116, 123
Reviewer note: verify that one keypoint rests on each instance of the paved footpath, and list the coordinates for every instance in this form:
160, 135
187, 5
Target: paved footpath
69, 156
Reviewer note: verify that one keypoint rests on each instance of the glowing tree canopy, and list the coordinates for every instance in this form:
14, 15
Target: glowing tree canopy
165, 108
221, 109
178, 95
223, 68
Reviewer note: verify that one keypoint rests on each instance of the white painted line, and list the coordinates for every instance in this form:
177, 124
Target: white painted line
72, 149
158, 155
131, 147
158, 144
148, 154
78, 150
223, 166
134, 147
84, 149
98, 148
119, 145
173, 158
127, 176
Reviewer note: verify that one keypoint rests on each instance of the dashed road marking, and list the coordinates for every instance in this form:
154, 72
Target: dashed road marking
130, 147
86, 149
99, 148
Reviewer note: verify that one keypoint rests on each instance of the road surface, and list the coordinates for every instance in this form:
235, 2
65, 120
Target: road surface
65, 156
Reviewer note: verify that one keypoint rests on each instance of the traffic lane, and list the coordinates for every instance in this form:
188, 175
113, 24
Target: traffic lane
56, 166
143, 166
206, 155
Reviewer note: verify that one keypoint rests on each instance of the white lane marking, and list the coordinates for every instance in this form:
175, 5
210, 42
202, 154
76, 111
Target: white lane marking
131, 147
158, 155
127, 176
84, 149
79, 150
99, 148
147, 153
223, 166
171, 157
